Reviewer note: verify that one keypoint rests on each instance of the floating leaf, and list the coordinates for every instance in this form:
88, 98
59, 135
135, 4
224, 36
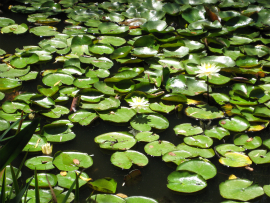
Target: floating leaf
107, 185
120, 115
116, 140
40, 163
240, 189
235, 159
186, 182
43, 181
159, 148
187, 129
204, 168
125, 159
67, 181
64, 160
236, 124
176, 156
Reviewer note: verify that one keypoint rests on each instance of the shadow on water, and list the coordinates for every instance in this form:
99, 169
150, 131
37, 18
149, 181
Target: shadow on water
154, 175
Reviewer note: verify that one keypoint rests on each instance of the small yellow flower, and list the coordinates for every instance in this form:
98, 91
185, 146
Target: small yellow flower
138, 103
208, 70
46, 148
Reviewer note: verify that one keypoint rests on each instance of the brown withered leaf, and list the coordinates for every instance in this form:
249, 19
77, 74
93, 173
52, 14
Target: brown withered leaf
122, 195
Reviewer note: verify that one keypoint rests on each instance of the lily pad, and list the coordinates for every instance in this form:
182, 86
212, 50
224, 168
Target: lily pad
59, 132
201, 141
57, 79
159, 148
235, 159
44, 31
202, 167
116, 140
125, 159
146, 137
204, 112
83, 117
162, 107
217, 132
145, 122
141, 199
176, 156
205, 153
42, 180
104, 198
67, 180
65, 160
35, 144
248, 142
186, 182
259, 156
40, 163
187, 129
240, 189
107, 185
236, 124
120, 115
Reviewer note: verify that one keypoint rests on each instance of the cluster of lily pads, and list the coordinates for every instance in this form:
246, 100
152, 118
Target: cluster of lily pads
113, 52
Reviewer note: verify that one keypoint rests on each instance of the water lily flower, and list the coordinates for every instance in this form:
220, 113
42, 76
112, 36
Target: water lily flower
138, 103
207, 69
46, 148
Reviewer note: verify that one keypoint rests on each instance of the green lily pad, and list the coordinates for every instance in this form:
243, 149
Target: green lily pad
79, 44
205, 153
116, 140
120, 115
240, 189
247, 61
40, 163
4, 124
68, 180
201, 141
176, 156
144, 122
247, 142
114, 41
85, 82
65, 160
259, 156
101, 49
186, 182
58, 132
45, 196
15, 28
266, 189
60, 196
42, 101
9, 179
236, 124
160, 107
141, 199
91, 95
56, 112
104, 198
187, 129
35, 143
57, 79
204, 168
44, 31
235, 159
42, 180
107, 104
220, 98
178, 53
159, 148
146, 137
121, 52
48, 92
6, 22
12, 107
83, 117
204, 112
217, 132
111, 28
125, 159
24, 60
107, 185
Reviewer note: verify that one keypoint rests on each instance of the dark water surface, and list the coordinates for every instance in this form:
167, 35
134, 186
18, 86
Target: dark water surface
154, 175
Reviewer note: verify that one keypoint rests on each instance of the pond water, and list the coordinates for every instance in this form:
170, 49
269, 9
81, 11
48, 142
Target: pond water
154, 175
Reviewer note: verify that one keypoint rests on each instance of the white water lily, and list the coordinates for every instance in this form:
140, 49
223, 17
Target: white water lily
138, 103
207, 69
46, 148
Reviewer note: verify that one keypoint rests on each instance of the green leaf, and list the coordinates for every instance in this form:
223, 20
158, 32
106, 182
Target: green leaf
68, 180
125, 159
107, 185
159, 148
202, 167
40, 163
236, 124
240, 189
116, 140
187, 129
120, 115
186, 182
65, 160
235, 159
